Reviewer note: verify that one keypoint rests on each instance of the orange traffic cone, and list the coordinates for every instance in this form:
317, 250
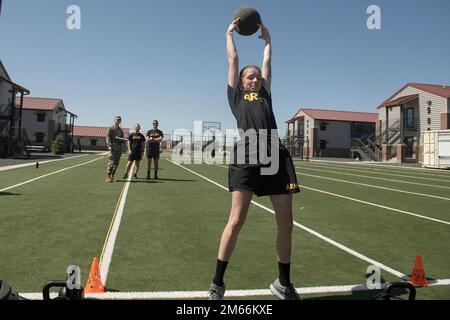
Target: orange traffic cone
418, 274
94, 283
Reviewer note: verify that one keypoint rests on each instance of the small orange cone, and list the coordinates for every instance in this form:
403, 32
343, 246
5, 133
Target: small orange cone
94, 283
418, 274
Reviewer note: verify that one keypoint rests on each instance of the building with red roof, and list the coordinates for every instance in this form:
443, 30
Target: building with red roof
10, 124
327, 133
92, 138
405, 115
43, 119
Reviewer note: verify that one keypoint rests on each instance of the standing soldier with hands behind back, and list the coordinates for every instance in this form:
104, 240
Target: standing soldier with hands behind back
154, 138
136, 146
114, 142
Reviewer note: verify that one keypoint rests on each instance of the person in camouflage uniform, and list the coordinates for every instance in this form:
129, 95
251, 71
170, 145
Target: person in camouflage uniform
114, 143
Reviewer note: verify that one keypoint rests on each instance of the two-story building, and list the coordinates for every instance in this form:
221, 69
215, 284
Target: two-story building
10, 132
43, 119
405, 115
330, 133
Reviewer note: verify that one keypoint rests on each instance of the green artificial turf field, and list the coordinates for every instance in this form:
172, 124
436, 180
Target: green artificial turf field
347, 216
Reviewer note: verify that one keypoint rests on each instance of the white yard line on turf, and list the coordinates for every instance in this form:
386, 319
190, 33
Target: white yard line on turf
375, 205
29, 164
49, 174
369, 203
320, 236
108, 248
324, 166
387, 166
373, 186
228, 293
376, 178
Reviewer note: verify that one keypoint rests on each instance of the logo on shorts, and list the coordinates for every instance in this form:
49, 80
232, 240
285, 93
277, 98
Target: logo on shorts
291, 186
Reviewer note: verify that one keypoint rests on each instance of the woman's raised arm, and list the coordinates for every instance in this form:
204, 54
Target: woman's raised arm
233, 60
267, 60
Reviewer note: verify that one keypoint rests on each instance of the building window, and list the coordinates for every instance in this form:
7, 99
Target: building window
41, 117
409, 118
323, 144
429, 121
300, 130
39, 137
358, 127
429, 110
323, 126
93, 142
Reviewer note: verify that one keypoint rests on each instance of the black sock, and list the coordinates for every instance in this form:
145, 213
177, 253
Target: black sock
284, 273
221, 266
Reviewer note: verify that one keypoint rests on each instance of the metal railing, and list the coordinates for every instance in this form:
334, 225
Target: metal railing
364, 150
3, 118
296, 146
384, 137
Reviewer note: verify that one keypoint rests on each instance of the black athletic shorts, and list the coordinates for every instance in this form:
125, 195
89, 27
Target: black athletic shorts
153, 154
250, 178
135, 156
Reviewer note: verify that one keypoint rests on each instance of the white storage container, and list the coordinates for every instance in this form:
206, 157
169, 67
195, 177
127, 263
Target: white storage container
436, 149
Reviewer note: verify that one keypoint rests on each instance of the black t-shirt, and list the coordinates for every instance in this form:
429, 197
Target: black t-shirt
252, 110
136, 140
154, 145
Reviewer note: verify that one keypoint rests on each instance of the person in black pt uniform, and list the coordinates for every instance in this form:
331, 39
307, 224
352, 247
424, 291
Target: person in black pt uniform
154, 138
136, 146
251, 104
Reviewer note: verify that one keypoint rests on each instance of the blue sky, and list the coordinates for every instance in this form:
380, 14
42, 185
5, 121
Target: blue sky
165, 59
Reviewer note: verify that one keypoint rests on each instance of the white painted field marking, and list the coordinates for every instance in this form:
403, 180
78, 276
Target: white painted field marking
108, 247
371, 204
372, 186
376, 205
29, 164
228, 293
339, 167
387, 166
376, 178
320, 236
48, 174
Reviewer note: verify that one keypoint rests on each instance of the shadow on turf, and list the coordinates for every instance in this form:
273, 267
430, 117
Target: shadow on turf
9, 194
356, 295
142, 180
363, 295
400, 294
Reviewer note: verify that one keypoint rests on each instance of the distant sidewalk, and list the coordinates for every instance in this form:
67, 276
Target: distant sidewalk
34, 157
354, 161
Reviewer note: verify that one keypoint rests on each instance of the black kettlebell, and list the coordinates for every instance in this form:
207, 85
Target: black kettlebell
388, 292
64, 293
6, 292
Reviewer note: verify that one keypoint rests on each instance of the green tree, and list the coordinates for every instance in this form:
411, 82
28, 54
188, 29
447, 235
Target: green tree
58, 145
